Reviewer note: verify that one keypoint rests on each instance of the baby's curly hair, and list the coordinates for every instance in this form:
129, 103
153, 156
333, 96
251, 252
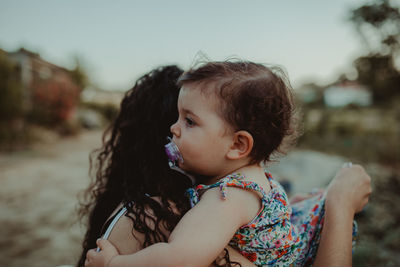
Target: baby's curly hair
252, 97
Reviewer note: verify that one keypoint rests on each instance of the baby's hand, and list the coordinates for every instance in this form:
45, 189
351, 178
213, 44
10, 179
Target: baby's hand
103, 257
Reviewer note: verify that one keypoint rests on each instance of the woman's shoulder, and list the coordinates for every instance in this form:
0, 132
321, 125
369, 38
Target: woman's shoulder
125, 237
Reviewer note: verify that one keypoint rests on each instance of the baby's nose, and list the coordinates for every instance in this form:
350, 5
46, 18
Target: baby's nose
175, 129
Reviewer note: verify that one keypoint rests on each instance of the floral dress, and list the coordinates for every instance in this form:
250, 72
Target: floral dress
280, 235
308, 216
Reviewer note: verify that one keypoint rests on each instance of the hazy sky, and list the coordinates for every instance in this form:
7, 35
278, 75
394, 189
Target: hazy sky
120, 40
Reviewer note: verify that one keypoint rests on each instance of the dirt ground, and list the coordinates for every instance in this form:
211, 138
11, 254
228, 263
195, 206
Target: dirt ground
38, 199
39, 188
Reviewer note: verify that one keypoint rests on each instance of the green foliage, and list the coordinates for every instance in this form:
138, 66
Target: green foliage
379, 234
108, 111
370, 135
378, 21
10, 90
378, 24
379, 73
79, 75
11, 103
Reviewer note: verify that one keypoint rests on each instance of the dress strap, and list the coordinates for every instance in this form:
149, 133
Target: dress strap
232, 180
193, 196
110, 227
113, 222
274, 205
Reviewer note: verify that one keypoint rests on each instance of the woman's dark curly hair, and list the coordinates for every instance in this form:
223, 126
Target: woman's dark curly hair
132, 165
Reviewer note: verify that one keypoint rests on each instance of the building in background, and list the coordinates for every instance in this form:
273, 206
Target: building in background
50, 95
347, 93
102, 97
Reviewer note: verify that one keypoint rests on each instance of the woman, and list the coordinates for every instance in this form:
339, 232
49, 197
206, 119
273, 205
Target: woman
124, 166
126, 174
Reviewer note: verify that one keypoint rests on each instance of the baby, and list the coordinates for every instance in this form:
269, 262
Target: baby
232, 117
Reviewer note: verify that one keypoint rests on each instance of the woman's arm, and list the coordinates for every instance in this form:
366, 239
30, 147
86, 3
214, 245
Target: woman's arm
347, 194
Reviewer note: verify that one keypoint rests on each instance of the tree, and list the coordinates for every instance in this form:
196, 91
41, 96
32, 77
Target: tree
10, 90
79, 75
378, 72
378, 24
11, 101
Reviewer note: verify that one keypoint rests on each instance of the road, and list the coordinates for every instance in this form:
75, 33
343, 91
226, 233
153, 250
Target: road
38, 200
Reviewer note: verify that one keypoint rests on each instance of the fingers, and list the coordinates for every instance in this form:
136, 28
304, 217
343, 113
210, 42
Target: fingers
362, 205
89, 256
365, 198
350, 188
347, 165
103, 244
352, 166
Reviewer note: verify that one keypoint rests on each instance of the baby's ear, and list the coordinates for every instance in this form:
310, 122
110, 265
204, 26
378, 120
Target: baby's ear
242, 145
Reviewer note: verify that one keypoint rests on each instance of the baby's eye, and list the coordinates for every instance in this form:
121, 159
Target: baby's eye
189, 122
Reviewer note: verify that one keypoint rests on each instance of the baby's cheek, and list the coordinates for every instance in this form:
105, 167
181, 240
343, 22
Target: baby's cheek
189, 151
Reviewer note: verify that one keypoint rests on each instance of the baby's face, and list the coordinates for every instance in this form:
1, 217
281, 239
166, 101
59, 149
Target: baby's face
202, 136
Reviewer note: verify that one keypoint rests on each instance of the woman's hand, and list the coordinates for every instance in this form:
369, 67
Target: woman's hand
103, 257
350, 189
347, 194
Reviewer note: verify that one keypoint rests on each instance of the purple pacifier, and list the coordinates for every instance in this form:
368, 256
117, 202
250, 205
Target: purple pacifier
175, 156
173, 153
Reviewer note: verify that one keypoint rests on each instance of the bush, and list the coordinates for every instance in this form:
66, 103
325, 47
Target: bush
108, 111
11, 101
368, 134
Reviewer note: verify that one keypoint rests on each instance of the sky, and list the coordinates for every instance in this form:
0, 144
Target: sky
118, 41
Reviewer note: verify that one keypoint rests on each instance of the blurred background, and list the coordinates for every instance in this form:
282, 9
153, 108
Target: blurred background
64, 66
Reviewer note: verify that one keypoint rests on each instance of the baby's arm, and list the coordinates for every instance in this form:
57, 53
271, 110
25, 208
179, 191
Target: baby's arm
200, 235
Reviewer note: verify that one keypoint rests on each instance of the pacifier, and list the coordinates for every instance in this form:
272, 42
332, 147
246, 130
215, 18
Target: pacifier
173, 153
174, 157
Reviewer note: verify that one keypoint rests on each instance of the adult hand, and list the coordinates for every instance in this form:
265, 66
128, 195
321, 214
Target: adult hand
347, 194
350, 189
